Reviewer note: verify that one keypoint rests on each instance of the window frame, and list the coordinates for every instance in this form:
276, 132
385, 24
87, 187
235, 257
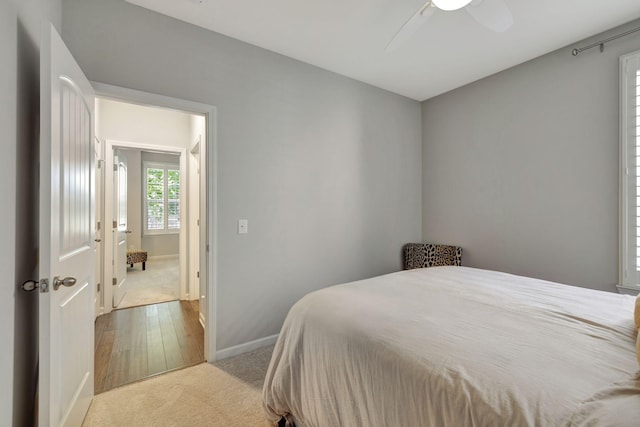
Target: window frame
629, 188
166, 166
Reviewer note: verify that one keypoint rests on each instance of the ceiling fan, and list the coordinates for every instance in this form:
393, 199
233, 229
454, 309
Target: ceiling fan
493, 14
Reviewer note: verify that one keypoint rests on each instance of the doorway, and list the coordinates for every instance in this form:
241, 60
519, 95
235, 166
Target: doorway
146, 245
154, 196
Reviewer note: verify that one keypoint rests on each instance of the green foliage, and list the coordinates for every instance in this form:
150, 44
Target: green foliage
174, 184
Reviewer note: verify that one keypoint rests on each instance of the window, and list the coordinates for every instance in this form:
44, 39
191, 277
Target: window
630, 172
161, 184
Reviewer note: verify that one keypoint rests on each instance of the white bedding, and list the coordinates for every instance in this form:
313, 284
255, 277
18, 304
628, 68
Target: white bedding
456, 346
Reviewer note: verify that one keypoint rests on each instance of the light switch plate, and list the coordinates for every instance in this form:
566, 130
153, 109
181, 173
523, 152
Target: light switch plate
243, 226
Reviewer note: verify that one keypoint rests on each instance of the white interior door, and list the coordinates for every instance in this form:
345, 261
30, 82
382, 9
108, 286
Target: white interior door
121, 225
66, 312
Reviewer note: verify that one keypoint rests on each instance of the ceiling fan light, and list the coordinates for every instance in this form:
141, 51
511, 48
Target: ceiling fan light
449, 5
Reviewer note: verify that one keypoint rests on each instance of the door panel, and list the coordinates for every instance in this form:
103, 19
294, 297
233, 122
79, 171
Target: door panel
75, 306
66, 313
120, 214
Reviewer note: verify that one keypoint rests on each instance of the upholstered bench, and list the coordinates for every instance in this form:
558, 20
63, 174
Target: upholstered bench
421, 255
134, 256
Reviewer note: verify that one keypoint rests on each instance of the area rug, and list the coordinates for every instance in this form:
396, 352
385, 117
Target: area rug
227, 393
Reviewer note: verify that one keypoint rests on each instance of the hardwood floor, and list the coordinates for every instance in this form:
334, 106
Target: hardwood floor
136, 343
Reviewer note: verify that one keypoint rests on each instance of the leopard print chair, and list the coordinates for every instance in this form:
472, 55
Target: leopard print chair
421, 255
135, 256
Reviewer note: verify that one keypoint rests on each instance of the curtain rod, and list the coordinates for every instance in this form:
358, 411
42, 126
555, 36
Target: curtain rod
601, 43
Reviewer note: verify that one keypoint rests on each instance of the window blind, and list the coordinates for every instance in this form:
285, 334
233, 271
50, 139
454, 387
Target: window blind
173, 199
161, 198
634, 136
155, 198
630, 170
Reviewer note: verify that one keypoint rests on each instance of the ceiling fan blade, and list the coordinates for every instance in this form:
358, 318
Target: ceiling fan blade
411, 26
493, 14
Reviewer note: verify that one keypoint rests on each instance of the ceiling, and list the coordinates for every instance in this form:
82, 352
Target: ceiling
450, 50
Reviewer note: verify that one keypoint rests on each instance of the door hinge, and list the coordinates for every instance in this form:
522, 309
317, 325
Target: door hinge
115, 168
198, 223
98, 286
198, 274
115, 224
98, 225
115, 281
100, 164
31, 285
207, 247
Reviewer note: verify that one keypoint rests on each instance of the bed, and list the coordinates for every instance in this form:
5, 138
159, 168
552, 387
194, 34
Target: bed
455, 346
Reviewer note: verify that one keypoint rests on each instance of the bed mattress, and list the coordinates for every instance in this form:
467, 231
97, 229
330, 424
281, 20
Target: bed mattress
456, 346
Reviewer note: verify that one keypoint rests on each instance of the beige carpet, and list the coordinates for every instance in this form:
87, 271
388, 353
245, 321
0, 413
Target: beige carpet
225, 394
160, 282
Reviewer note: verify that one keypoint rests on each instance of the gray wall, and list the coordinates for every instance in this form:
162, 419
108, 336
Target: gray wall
20, 25
327, 170
521, 168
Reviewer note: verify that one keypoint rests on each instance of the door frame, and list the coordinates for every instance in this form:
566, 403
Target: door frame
109, 270
209, 217
99, 223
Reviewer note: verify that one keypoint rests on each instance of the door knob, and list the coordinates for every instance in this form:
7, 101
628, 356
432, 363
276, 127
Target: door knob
128, 231
67, 281
97, 240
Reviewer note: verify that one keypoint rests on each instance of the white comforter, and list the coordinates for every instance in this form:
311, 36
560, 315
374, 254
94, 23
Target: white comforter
456, 346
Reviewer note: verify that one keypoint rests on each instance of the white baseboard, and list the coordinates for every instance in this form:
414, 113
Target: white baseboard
245, 347
158, 257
